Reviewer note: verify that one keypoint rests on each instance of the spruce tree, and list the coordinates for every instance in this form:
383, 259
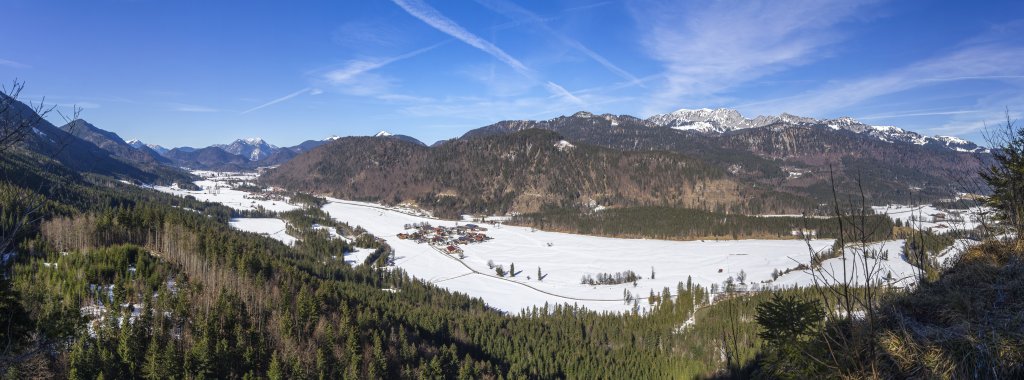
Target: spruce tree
275, 372
1006, 176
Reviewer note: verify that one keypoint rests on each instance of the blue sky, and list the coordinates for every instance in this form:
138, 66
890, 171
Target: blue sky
202, 72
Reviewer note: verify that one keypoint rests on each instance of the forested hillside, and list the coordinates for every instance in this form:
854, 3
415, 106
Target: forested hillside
122, 282
75, 146
784, 156
519, 172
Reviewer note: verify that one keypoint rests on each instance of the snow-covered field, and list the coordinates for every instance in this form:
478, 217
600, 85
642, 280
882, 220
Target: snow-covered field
568, 258
215, 188
882, 262
271, 227
562, 258
929, 217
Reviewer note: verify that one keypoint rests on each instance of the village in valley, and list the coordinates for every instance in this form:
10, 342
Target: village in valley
445, 239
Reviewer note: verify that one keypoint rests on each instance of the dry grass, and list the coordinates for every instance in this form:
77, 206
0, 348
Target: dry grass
967, 324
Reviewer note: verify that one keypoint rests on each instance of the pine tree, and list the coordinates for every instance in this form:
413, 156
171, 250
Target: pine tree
275, 372
81, 361
128, 345
151, 369
1006, 176
322, 369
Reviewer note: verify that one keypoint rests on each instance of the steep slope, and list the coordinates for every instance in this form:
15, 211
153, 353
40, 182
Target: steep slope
519, 172
75, 153
113, 143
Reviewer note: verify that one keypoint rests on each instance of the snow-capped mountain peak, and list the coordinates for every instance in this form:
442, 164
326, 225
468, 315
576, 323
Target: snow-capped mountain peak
253, 148
254, 141
332, 138
703, 119
138, 144
724, 120
383, 134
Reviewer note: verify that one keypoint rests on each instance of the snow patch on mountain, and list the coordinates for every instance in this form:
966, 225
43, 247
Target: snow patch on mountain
138, 144
253, 148
383, 134
722, 120
563, 145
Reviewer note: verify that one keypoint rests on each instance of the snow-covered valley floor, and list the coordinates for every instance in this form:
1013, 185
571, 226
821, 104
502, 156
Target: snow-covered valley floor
562, 258
271, 227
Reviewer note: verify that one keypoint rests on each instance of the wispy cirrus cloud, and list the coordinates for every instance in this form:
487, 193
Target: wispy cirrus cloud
514, 11
564, 94
79, 105
709, 47
307, 90
978, 62
916, 114
991, 116
435, 19
353, 69
14, 64
193, 108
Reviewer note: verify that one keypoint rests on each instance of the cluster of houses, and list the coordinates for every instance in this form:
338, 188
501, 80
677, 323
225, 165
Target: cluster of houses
447, 239
266, 196
804, 233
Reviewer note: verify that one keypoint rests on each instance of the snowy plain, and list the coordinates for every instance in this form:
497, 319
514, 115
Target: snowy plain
271, 227
561, 258
928, 217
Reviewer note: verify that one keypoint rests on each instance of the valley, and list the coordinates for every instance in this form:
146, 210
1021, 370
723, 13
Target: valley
499, 190
562, 258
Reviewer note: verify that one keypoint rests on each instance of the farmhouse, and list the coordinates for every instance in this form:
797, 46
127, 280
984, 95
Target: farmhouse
804, 232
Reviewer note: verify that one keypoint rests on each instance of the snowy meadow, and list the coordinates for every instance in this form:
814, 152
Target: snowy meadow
549, 266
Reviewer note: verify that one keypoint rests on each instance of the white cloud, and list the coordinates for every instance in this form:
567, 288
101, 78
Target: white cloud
512, 10
562, 93
194, 108
711, 47
435, 19
355, 68
916, 114
82, 105
984, 62
991, 115
281, 99
13, 64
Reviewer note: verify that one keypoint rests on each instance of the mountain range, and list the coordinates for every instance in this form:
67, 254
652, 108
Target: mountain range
725, 120
242, 154
250, 153
710, 159
789, 160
